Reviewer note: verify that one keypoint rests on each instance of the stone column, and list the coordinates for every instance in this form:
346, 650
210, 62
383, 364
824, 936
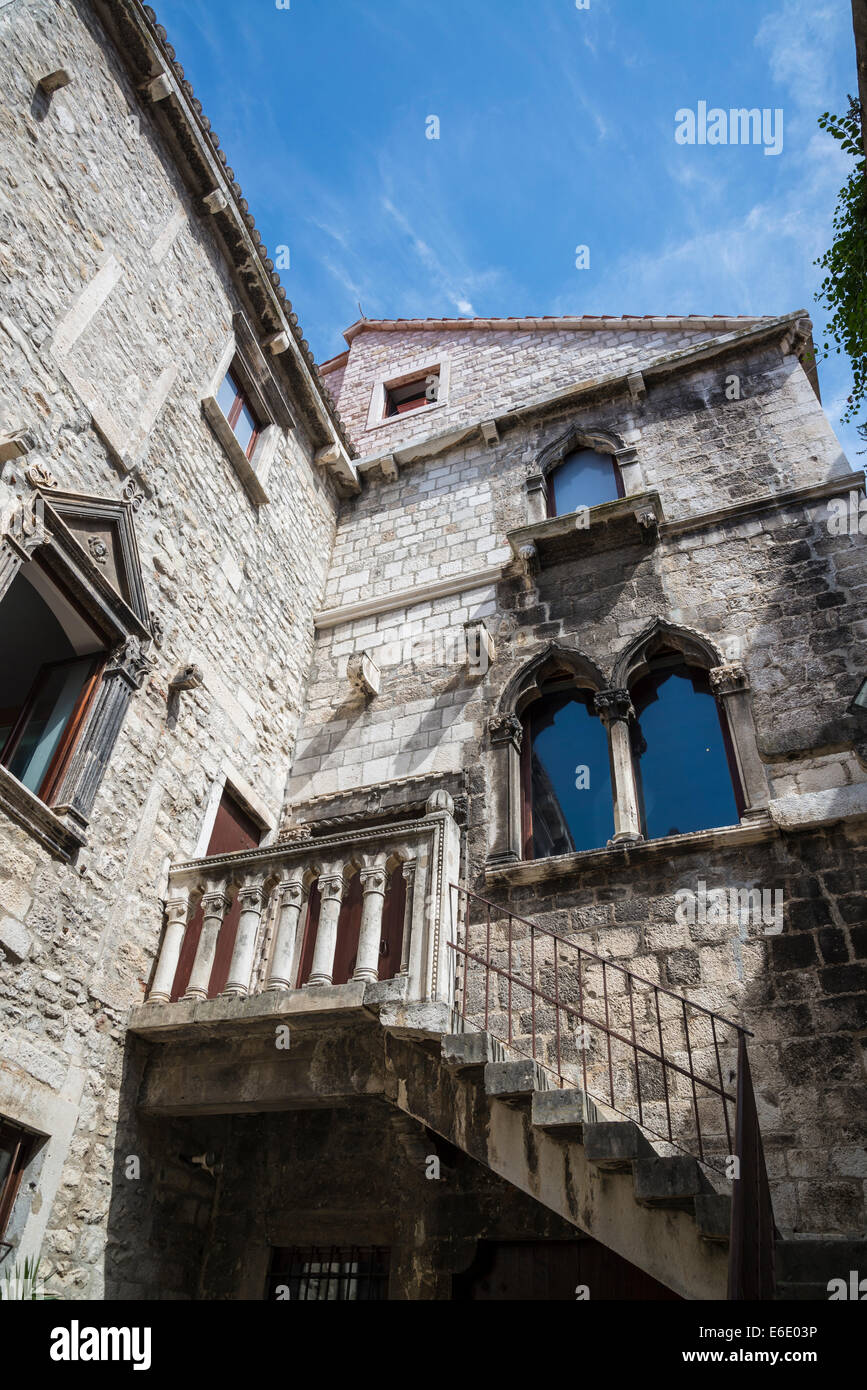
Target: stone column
731, 685
291, 895
614, 708
123, 675
177, 909
505, 732
251, 897
331, 888
214, 906
374, 881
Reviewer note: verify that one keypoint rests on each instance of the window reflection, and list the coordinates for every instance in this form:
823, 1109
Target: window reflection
683, 760
567, 775
585, 478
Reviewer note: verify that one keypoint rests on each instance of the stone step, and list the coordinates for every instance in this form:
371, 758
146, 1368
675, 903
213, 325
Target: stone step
713, 1214
563, 1113
470, 1052
667, 1182
614, 1145
514, 1081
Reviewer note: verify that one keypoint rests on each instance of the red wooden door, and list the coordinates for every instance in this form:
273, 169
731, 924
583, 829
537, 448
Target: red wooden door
391, 941
313, 904
234, 830
348, 925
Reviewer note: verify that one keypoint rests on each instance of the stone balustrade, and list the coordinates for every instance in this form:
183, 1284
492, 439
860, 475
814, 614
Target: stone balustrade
269, 893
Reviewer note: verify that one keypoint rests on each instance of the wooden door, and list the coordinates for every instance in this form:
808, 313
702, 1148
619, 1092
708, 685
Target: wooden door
234, 830
391, 942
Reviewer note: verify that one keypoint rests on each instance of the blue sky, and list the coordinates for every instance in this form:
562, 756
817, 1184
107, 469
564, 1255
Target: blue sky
556, 130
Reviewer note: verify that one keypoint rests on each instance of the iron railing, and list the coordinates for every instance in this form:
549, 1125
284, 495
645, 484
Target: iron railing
676, 1068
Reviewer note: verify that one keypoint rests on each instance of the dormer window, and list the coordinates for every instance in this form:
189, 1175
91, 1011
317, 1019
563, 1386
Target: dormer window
585, 478
239, 411
411, 395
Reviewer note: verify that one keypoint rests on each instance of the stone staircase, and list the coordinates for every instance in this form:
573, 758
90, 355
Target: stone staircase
659, 1212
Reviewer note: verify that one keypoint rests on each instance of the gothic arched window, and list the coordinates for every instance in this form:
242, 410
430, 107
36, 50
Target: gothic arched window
685, 770
585, 478
566, 773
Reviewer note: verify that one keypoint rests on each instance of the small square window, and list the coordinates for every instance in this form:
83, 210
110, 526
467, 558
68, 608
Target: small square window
411, 395
239, 412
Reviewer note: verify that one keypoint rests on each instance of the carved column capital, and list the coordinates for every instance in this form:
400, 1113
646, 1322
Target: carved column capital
727, 679
130, 661
251, 895
291, 892
373, 880
215, 902
331, 886
505, 729
613, 706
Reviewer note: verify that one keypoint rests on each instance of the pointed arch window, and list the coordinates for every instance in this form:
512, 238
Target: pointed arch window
686, 774
566, 774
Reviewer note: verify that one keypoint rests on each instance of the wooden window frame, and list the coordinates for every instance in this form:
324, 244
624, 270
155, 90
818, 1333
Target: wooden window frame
242, 398
25, 1144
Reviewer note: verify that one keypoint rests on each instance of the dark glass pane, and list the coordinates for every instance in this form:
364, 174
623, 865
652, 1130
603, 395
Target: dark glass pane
584, 479
245, 427
227, 394
570, 776
684, 774
53, 704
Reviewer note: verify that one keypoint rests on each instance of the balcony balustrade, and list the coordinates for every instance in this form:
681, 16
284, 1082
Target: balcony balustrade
310, 912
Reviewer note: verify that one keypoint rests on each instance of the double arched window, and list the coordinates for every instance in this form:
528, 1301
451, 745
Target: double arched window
667, 748
584, 478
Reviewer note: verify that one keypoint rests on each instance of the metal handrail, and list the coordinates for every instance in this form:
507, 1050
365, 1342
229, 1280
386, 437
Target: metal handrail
752, 1228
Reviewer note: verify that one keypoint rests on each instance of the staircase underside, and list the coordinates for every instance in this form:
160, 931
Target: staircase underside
347, 1043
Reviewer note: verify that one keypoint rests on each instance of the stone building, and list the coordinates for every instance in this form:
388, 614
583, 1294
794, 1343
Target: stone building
418, 771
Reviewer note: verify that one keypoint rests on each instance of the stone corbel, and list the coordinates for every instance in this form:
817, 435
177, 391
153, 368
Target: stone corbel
505, 729
15, 444
637, 387
725, 680
529, 557
490, 433
53, 81
363, 673
277, 343
216, 200
188, 678
158, 88
480, 647
649, 523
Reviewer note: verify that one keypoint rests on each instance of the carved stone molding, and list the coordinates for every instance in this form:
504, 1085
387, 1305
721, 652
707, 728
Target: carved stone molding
725, 680
504, 729
613, 705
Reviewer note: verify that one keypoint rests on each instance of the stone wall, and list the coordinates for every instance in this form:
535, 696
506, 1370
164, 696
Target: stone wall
87, 184
771, 579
